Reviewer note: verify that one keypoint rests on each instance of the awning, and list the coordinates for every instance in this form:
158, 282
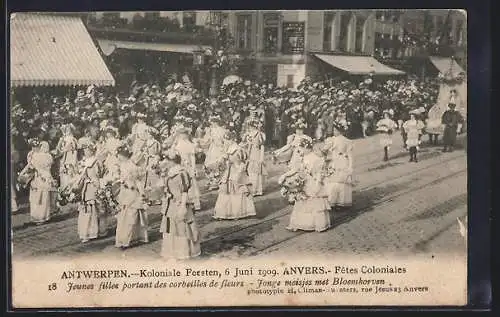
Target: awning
445, 64
109, 46
49, 50
358, 65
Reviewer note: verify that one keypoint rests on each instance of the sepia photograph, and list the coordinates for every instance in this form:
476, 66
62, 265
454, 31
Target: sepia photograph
228, 158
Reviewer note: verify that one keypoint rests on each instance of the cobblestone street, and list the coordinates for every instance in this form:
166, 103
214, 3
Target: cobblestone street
399, 208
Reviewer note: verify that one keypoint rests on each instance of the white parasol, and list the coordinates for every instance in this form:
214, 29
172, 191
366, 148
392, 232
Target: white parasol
231, 79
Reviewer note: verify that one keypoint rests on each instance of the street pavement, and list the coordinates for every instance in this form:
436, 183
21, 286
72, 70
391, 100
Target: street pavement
399, 208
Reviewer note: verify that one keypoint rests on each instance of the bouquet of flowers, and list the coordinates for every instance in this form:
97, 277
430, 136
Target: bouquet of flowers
292, 186
106, 195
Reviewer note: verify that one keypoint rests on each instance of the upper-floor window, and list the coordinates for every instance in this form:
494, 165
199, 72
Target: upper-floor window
293, 37
345, 19
327, 30
459, 32
189, 19
360, 25
152, 15
244, 31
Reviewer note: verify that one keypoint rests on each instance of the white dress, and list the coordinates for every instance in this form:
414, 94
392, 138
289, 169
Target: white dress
311, 213
339, 184
235, 200
187, 151
254, 143
42, 191
88, 209
385, 127
413, 129
292, 152
132, 220
67, 148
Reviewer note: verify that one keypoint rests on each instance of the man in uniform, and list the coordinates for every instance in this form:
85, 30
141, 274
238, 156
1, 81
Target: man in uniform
452, 121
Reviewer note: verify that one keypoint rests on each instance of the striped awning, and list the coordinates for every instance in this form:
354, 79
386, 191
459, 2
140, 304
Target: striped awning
51, 50
445, 65
358, 65
109, 46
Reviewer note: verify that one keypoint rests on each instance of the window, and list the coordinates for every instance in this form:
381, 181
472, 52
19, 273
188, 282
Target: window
459, 32
344, 31
189, 19
293, 37
152, 15
360, 24
439, 24
289, 81
270, 40
244, 34
327, 31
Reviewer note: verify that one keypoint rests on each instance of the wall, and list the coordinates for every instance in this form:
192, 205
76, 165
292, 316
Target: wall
314, 30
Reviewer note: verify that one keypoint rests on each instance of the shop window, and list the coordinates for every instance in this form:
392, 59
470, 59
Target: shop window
327, 31
289, 81
293, 37
243, 31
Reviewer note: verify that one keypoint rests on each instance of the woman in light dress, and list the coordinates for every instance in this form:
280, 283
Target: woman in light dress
339, 183
293, 152
187, 151
108, 154
89, 183
254, 141
66, 149
311, 212
413, 129
43, 192
132, 221
235, 200
216, 140
181, 238
386, 127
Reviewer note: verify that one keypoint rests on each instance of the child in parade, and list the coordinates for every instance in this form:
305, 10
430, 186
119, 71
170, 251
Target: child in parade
132, 220
235, 199
311, 209
187, 151
37, 174
254, 144
181, 238
386, 127
88, 185
216, 140
340, 159
293, 151
66, 149
413, 128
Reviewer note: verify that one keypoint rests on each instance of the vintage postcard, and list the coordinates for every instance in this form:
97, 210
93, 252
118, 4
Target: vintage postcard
238, 158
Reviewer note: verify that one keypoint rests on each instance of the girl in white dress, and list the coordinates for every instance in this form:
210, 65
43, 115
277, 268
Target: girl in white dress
339, 184
413, 129
216, 140
187, 151
181, 238
235, 200
254, 144
310, 211
43, 192
386, 127
66, 149
132, 220
89, 184
293, 152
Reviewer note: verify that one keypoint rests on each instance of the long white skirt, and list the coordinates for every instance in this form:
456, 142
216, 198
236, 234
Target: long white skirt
88, 222
131, 226
234, 205
42, 203
311, 214
13, 204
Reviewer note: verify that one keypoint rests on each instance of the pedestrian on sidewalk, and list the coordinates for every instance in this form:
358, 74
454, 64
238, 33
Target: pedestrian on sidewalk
386, 127
452, 121
181, 238
132, 220
413, 129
